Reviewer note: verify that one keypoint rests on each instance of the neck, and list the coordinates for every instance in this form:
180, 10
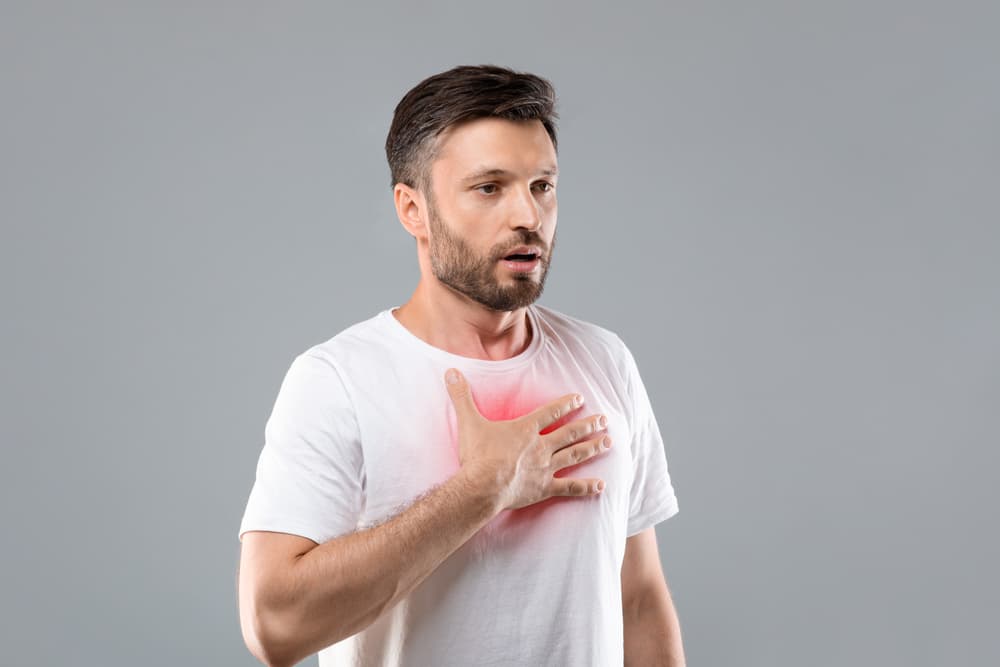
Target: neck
454, 323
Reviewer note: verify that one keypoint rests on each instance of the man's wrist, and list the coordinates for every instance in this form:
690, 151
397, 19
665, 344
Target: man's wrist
487, 483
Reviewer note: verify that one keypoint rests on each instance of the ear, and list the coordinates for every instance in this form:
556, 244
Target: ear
410, 209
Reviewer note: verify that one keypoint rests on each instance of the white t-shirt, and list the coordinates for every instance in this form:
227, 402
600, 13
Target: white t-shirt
363, 424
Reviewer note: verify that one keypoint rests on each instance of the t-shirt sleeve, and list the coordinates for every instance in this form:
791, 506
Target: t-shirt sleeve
309, 479
651, 495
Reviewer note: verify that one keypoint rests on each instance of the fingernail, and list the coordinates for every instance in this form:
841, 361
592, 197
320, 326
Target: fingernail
451, 376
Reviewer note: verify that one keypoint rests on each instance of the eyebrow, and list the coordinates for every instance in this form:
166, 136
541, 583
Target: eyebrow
484, 172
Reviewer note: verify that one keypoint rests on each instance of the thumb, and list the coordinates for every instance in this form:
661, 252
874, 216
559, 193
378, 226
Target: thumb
460, 393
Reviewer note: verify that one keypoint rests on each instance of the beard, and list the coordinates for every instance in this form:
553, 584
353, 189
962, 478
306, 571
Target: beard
456, 264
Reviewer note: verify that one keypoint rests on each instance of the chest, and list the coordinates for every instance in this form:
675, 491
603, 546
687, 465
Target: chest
409, 435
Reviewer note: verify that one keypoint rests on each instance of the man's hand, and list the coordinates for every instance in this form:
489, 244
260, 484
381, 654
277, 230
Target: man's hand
518, 456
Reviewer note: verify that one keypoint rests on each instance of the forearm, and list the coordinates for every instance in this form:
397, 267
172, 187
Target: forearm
342, 586
653, 632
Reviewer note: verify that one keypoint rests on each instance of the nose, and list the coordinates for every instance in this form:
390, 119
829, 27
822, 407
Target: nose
526, 211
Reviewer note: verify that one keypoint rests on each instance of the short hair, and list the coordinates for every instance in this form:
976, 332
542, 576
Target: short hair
461, 94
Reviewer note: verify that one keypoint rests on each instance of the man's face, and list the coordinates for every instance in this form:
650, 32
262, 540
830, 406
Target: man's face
477, 219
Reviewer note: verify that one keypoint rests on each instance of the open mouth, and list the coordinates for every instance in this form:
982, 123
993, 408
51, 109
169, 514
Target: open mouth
521, 263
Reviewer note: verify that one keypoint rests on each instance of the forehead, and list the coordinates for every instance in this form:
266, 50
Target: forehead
523, 147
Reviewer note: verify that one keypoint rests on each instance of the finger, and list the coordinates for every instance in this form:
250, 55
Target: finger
553, 410
460, 393
585, 450
573, 432
562, 486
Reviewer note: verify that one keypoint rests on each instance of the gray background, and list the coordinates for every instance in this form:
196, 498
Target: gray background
788, 211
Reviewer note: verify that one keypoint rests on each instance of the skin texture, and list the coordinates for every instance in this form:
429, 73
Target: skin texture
466, 301
297, 597
652, 629
459, 266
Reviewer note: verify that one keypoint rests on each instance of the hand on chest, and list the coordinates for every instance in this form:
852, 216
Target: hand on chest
413, 445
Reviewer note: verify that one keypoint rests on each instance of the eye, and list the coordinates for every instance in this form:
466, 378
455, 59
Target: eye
486, 185
547, 184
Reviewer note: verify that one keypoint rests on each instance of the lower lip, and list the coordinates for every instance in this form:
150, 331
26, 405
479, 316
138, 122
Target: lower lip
520, 266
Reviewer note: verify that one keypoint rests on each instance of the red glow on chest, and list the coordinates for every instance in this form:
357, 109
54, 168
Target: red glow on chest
513, 403
516, 403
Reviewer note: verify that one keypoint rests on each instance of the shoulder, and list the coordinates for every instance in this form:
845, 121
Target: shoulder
600, 341
583, 329
361, 339
318, 374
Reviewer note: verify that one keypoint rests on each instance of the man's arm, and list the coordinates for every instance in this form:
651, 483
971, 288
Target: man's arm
652, 630
296, 599
340, 587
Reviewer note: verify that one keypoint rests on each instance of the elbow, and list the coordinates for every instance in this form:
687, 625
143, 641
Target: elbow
278, 629
269, 650
276, 644
272, 660
266, 638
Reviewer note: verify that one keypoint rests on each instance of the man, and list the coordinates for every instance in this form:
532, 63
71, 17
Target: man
434, 487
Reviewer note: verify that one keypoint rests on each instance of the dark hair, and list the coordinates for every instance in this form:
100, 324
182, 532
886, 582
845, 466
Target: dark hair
462, 93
